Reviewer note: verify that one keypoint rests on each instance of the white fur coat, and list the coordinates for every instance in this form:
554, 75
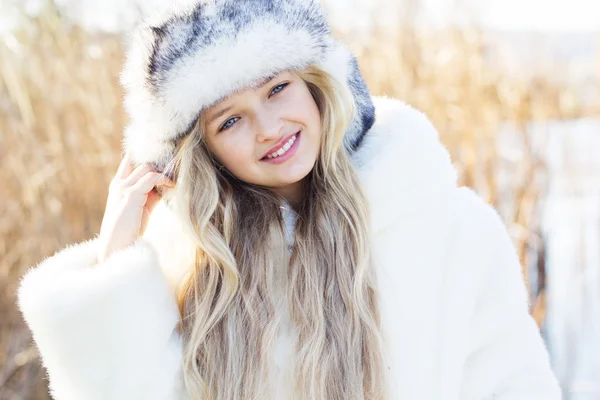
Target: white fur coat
454, 305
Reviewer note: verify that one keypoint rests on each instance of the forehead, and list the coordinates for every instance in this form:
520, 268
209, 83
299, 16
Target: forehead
245, 91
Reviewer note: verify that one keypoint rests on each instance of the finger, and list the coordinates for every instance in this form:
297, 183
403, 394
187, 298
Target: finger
147, 182
125, 167
153, 198
151, 202
137, 174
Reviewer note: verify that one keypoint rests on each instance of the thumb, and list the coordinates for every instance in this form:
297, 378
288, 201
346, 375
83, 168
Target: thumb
152, 200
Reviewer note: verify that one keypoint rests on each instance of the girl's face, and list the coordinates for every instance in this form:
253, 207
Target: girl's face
268, 136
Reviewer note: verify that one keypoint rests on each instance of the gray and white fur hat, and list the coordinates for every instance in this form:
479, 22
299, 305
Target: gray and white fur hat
193, 54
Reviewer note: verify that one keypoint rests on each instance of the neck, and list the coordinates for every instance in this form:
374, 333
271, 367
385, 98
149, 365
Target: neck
291, 193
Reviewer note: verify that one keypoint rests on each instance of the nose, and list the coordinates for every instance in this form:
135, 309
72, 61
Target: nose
269, 126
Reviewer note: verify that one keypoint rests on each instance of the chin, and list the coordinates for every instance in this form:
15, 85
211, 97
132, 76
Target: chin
292, 174
288, 179
298, 173
281, 183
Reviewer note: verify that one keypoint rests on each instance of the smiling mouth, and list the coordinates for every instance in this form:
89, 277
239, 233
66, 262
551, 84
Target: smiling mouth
282, 149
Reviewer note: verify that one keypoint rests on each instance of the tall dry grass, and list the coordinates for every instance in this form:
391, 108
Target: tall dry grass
61, 121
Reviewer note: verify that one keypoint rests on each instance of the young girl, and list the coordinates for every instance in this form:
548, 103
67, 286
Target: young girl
309, 241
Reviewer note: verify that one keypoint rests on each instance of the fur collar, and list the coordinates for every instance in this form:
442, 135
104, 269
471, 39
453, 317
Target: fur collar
401, 162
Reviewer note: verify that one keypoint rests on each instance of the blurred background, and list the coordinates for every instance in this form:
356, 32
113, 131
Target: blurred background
513, 87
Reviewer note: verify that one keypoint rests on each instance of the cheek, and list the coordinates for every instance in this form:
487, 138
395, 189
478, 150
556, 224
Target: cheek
311, 110
313, 117
316, 118
305, 110
236, 154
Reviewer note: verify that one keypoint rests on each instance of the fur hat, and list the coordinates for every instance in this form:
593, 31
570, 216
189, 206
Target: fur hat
193, 54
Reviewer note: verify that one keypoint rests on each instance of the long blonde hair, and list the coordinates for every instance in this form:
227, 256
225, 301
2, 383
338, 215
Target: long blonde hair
230, 299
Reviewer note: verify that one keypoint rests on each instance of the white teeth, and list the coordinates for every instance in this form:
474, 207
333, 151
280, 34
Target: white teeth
283, 149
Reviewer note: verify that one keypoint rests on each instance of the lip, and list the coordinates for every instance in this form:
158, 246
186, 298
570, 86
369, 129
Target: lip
290, 153
279, 145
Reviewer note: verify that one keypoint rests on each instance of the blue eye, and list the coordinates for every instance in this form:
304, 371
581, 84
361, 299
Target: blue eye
278, 88
228, 123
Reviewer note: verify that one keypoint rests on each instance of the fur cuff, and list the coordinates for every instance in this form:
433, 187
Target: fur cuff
104, 331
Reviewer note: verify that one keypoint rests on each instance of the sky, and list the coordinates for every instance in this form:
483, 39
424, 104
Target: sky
543, 15
552, 15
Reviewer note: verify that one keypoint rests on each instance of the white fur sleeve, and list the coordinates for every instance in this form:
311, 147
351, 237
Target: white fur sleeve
104, 331
507, 358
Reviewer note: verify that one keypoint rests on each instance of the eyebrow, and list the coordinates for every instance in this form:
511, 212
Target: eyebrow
217, 115
266, 80
223, 111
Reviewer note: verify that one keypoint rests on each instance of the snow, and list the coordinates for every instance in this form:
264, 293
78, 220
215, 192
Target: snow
571, 231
